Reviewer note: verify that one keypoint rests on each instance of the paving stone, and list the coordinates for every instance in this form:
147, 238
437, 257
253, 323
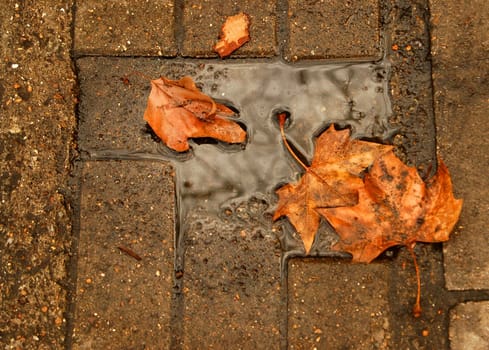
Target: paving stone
114, 94
202, 21
337, 305
405, 27
123, 302
111, 112
232, 280
125, 28
469, 326
333, 29
461, 117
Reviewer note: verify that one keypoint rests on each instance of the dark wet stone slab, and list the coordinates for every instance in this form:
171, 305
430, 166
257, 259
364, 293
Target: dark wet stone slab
469, 326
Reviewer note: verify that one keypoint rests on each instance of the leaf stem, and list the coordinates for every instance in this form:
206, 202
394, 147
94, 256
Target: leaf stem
417, 306
282, 117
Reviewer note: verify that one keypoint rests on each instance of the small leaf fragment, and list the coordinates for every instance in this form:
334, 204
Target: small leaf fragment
234, 34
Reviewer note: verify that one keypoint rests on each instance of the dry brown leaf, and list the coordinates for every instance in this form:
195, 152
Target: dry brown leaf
332, 180
177, 110
234, 34
395, 208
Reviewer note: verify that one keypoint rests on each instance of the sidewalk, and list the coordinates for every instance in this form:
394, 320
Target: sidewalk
108, 242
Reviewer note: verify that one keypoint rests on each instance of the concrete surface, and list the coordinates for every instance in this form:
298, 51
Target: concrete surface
231, 284
224, 277
317, 320
109, 110
37, 122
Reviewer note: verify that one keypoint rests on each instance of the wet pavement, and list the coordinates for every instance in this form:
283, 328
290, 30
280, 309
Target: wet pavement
110, 240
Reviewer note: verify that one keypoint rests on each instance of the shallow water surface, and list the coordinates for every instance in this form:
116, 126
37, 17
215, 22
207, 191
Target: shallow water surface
212, 176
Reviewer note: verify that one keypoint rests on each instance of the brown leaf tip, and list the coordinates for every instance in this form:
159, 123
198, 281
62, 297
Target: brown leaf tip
234, 34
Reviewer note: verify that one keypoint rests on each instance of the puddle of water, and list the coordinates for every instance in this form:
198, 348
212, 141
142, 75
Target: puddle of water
212, 178
353, 95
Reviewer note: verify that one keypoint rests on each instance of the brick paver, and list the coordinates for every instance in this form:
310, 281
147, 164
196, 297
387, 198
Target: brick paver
123, 302
125, 28
469, 326
333, 29
232, 281
111, 112
406, 33
333, 306
462, 60
202, 21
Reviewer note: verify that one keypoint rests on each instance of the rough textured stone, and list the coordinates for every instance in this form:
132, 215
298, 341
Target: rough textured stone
125, 28
333, 29
37, 122
123, 302
202, 21
337, 305
461, 116
469, 326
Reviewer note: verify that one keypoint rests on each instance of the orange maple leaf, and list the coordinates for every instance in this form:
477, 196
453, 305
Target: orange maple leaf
177, 110
332, 179
395, 207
